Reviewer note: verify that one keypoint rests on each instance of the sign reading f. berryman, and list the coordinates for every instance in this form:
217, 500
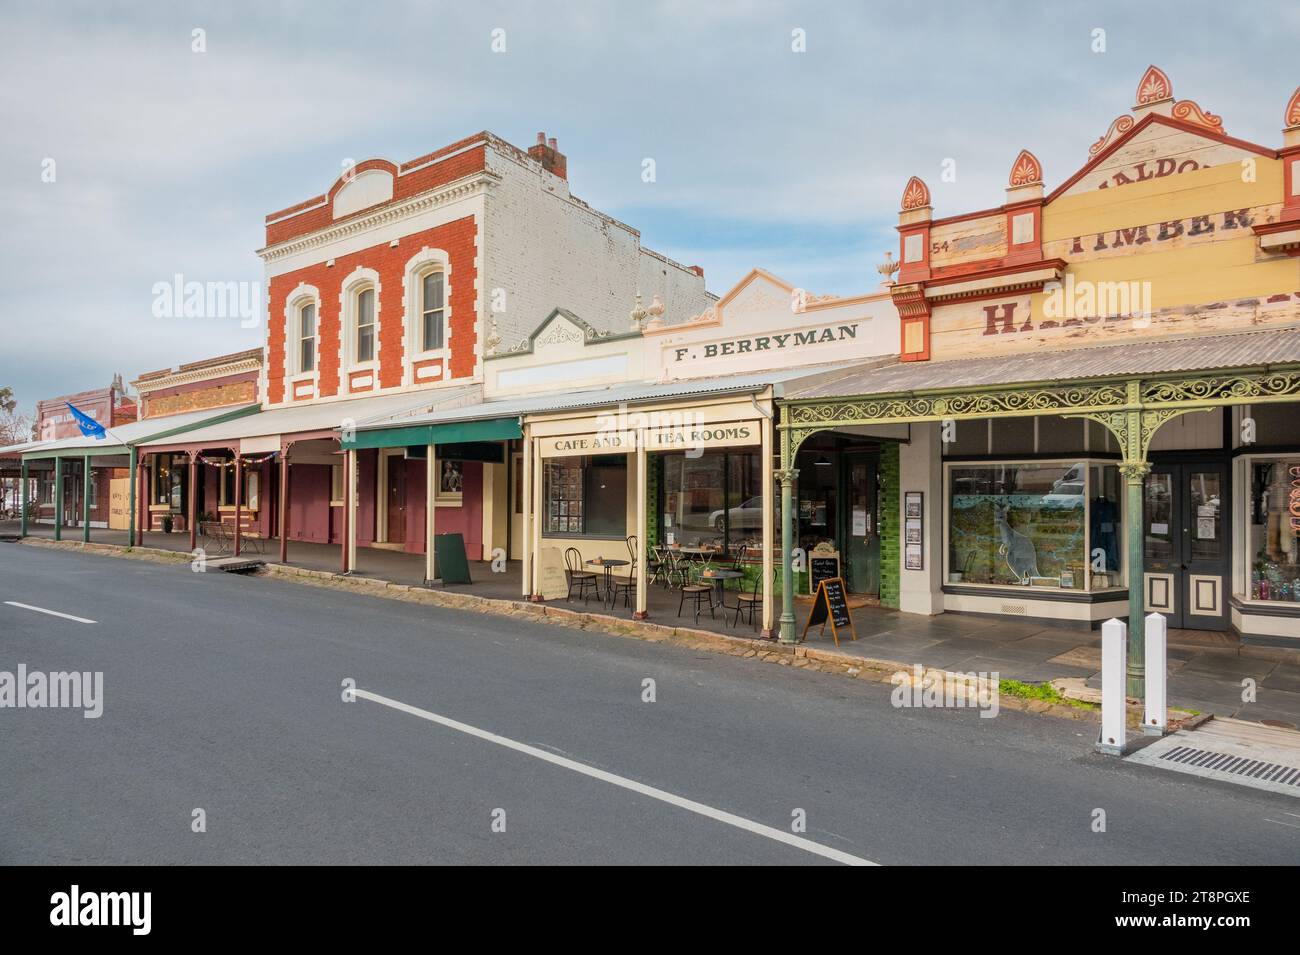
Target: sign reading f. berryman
784, 341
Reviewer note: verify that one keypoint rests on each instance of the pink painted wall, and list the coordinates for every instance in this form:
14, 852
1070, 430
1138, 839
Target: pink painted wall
310, 516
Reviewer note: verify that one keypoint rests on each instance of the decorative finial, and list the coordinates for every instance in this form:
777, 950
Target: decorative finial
637, 314
888, 268
493, 341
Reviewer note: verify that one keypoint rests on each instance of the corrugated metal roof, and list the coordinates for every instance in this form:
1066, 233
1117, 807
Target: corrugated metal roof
137, 432
599, 397
322, 416
1253, 349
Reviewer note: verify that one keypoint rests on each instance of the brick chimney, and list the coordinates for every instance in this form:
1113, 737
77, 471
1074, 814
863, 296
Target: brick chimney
552, 159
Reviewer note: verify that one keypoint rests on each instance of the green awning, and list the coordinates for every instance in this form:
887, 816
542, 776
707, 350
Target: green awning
453, 432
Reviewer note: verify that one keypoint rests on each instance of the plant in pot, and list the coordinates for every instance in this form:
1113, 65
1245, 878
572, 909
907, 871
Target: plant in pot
167, 524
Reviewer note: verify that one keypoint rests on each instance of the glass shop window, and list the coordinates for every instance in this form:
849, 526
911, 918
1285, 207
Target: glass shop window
1035, 524
714, 498
1273, 532
587, 496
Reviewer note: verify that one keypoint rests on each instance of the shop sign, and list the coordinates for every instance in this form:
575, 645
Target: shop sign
699, 437
599, 442
783, 341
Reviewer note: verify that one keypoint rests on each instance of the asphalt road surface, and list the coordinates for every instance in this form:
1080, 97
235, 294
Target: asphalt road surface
486, 740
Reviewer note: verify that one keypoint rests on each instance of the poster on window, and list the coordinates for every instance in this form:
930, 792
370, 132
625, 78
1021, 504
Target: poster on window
451, 479
913, 530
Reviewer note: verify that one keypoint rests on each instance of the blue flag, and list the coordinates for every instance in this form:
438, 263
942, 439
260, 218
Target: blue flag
90, 428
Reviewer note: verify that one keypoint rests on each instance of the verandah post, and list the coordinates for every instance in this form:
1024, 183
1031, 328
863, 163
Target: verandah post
133, 465
239, 510
22, 529
284, 504
192, 511
786, 476
58, 498
1135, 473
85, 499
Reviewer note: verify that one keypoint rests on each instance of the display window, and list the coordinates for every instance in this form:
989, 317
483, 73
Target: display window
1273, 529
713, 499
586, 496
1051, 524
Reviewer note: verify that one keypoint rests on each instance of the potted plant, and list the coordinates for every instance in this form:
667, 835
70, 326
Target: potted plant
167, 524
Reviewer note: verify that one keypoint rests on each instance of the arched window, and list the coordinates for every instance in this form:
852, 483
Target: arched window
432, 311
307, 337
365, 327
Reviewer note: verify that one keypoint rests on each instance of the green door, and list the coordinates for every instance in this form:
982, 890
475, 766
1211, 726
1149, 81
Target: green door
859, 533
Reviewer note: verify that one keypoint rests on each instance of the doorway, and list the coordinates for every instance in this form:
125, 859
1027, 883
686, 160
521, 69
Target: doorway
1186, 543
860, 528
396, 500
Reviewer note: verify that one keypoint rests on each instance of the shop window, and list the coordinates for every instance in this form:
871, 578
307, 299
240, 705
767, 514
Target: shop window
1272, 424
336, 485
1037, 524
249, 496
818, 486
169, 481
713, 498
1273, 542
587, 496
965, 438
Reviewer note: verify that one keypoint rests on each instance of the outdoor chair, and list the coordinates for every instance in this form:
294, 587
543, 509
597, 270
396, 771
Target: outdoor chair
751, 602
582, 579
698, 591
626, 586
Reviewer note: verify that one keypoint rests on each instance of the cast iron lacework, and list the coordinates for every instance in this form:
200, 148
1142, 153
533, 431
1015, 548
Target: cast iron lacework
1230, 389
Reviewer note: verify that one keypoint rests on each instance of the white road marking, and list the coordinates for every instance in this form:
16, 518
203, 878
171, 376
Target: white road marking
768, 832
1291, 825
52, 613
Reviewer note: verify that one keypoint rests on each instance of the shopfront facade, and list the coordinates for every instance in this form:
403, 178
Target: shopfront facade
1100, 385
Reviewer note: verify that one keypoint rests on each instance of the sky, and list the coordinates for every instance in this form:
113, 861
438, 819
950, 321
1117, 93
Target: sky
166, 158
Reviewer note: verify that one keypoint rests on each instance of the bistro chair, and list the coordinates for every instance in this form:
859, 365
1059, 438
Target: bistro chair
751, 602
582, 579
698, 590
655, 564
674, 573
626, 587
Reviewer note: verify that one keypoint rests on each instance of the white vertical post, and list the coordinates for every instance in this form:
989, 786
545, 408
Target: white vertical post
1155, 722
770, 542
1114, 691
353, 492
642, 514
526, 520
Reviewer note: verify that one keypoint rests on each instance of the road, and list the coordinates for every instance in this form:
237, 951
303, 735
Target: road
224, 693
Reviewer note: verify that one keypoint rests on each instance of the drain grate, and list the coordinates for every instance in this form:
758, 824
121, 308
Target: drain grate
1193, 756
1245, 754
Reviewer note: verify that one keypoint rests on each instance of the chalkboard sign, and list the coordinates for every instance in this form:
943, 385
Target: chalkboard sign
822, 567
451, 566
830, 603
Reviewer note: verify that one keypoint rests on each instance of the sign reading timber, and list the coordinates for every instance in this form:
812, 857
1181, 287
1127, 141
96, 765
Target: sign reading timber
1157, 239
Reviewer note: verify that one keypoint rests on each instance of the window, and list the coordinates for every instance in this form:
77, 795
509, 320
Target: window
713, 498
587, 496
431, 311
1273, 532
365, 311
248, 497
169, 481
1039, 524
307, 338
336, 485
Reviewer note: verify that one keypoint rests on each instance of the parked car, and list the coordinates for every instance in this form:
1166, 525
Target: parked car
746, 515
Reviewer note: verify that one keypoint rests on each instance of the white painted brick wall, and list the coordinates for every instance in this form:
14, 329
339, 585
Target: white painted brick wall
547, 250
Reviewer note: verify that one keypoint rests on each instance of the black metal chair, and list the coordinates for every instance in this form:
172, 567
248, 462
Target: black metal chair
578, 577
626, 587
752, 602
694, 587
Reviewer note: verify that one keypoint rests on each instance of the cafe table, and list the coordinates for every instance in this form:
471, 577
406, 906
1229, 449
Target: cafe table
719, 579
609, 563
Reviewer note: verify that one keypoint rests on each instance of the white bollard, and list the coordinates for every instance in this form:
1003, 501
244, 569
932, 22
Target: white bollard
1114, 689
1156, 720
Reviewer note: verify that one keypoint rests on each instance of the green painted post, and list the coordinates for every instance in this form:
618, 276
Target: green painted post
85, 500
58, 498
130, 530
1135, 477
786, 476
23, 505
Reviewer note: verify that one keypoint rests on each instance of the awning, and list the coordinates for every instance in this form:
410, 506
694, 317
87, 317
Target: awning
266, 430
121, 438
1262, 348
452, 432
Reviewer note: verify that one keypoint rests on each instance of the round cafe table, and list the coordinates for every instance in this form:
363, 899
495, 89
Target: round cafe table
719, 579
609, 563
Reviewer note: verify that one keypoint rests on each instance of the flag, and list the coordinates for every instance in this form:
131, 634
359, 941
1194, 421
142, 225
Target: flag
90, 428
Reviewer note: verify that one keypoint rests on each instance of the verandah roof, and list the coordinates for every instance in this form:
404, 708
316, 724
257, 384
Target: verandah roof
1255, 349
121, 438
